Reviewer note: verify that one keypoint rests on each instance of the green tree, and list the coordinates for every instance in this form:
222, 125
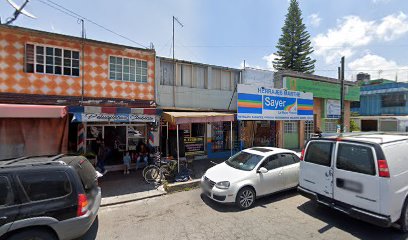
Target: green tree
294, 45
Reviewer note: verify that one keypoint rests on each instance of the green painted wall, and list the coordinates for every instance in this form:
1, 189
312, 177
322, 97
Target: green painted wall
291, 140
322, 89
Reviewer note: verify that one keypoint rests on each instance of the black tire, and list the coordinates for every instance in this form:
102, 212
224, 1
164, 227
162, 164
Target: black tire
153, 175
145, 169
404, 217
245, 198
33, 234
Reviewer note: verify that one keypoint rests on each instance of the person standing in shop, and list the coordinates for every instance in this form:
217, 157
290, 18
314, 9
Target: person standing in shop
126, 162
143, 153
101, 157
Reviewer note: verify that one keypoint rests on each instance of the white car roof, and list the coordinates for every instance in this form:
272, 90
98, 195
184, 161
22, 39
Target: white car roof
374, 138
267, 151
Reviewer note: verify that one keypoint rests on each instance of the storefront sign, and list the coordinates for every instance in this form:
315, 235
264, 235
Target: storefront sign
194, 145
260, 103
106, 117
322, 89
333, 109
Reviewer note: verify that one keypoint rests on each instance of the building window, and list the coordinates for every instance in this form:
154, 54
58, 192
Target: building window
393, 100
309, 129
291, 127
51, 60
330, 125
127, 69
167, 73
355, 105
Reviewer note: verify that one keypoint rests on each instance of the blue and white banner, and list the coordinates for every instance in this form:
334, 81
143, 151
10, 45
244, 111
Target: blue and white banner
260, 103
333, 109
118, 117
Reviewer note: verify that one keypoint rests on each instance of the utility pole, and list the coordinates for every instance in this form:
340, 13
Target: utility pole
174, 64
341, 73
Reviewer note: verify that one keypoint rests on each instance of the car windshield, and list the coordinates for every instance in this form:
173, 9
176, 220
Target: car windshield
244, 161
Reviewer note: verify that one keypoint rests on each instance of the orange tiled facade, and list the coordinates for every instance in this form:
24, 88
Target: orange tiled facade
15, 79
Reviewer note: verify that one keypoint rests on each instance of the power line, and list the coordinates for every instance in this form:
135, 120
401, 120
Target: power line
76, 15
268, 46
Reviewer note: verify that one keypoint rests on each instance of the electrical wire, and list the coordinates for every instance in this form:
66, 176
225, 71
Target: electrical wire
76, 15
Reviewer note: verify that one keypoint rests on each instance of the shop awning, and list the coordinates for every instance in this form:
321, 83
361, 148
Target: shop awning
197, 117
32, 111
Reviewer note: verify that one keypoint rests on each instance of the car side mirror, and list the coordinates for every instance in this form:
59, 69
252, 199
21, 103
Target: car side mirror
262, 170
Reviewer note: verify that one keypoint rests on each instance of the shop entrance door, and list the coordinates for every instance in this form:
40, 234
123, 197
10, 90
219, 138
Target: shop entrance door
264, 134
115, 140
291, 135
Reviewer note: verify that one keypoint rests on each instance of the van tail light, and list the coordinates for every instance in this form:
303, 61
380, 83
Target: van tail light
302, 155
383, 169
82, 205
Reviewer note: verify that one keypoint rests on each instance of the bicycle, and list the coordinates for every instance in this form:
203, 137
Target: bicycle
154, 173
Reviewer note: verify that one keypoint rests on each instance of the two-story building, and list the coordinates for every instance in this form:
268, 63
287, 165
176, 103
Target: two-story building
326, 105
382, 107
199, 102
109, 89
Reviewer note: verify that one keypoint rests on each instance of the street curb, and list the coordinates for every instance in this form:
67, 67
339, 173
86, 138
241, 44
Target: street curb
131, 199
182, 186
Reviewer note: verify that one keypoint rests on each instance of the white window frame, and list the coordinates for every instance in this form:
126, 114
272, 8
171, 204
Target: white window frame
330, 125
135, 72
53, 65
290, 126
309, 129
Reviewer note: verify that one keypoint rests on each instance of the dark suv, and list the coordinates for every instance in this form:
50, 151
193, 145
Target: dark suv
52, 197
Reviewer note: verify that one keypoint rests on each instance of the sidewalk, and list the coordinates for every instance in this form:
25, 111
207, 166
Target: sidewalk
118, 188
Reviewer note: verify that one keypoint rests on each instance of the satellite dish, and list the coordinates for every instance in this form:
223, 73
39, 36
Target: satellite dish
20, 9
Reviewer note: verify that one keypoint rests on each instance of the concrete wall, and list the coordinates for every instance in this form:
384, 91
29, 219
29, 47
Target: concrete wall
212, 95
196, 98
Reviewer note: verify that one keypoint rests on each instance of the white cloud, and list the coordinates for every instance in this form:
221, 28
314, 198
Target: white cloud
241, 65
353, 32
378, 66
269, 61
380, 1
392, 26
315, 20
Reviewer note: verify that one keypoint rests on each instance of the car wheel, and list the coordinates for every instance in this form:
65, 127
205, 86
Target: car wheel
33, 235
404, 217
245, 198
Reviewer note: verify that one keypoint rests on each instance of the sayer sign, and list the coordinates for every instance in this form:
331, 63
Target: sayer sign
260, 103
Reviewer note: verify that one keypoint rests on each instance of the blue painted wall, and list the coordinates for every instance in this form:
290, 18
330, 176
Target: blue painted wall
370, 105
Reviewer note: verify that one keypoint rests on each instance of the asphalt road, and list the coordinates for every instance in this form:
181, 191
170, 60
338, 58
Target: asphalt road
188, 215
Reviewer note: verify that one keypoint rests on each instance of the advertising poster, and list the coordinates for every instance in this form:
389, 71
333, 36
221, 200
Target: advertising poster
260, 103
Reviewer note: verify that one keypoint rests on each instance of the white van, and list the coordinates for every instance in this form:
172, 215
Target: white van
364, 176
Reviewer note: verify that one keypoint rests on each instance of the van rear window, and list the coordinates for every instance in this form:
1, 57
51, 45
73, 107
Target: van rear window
319, 153
355, 158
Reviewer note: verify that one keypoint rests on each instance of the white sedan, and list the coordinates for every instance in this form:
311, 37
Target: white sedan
251, 173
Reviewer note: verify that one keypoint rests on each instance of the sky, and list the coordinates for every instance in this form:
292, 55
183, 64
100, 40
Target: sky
371, 34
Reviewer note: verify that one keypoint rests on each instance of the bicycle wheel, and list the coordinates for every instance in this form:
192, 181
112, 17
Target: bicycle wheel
147, 168
153, 175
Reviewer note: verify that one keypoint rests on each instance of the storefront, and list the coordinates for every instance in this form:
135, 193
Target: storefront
266, 113
198, 134
326, 105
121, 129
32, 130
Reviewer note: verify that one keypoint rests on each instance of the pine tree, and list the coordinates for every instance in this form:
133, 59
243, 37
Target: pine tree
294, 46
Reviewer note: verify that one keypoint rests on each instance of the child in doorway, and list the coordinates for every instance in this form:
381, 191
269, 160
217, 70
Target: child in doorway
126, 162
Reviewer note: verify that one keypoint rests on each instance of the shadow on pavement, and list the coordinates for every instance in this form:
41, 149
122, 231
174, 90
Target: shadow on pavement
260, 202
93, 231
115, 183
357, 228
